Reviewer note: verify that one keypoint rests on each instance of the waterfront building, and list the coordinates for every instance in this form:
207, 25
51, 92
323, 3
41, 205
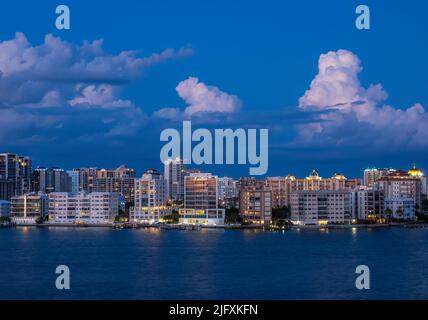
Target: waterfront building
282, 187
414, 172
15, 175
29, 208
255, 204
49, 180
201, 205
401, 208
175, 172
368, 205
120, 180
4, 208
150, 198
321, 207
372, 175
83, 208
400, 184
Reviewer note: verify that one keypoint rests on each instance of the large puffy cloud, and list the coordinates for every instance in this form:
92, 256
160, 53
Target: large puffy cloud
201, 99
72, 79
351, 115
28, 73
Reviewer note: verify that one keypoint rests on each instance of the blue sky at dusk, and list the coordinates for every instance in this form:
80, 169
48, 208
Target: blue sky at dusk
334, 98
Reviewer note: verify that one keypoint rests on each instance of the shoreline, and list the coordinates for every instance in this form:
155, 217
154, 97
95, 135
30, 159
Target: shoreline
228, 227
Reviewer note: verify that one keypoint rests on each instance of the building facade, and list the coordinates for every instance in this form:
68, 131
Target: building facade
175, 172
227, 189
414, 172
86, 178
15, 175
400, 184
7, 189
150, 198
74, 180
372, 175
255, 205
120, 180
368, 205
49, 180
29, 208
401, 208
83, 208
201, 204
321, 207
282, 187
4, 208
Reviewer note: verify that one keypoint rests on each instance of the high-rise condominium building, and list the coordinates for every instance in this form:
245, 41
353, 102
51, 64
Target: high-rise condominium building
150, 198
372, 175
7, 189
368, 205
255, 204
175, 172
49, 180
321, 207
84, 208
121, 172
86, 178
282, 187
201, 200
120, 180
15, 175
74, 180
227, 188
414, 172
400, 184
28, 208
4, 208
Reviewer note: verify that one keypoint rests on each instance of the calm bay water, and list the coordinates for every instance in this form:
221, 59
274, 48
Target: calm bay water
213, 264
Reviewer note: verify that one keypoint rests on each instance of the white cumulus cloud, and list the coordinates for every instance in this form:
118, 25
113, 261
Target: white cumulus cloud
354, 115
201, 99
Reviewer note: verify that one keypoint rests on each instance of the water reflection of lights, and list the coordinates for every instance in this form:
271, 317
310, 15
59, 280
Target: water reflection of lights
354, 231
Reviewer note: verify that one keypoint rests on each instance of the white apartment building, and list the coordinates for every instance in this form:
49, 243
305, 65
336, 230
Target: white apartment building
201, 201
83, 208
367, 204
401, 208
150, 198
320, 207
29, 208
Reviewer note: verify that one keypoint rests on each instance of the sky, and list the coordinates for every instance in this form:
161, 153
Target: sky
334, 98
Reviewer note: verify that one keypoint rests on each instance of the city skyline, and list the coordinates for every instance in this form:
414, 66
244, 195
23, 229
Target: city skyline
211, 169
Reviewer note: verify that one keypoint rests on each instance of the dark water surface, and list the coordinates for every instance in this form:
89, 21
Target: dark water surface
213, 264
